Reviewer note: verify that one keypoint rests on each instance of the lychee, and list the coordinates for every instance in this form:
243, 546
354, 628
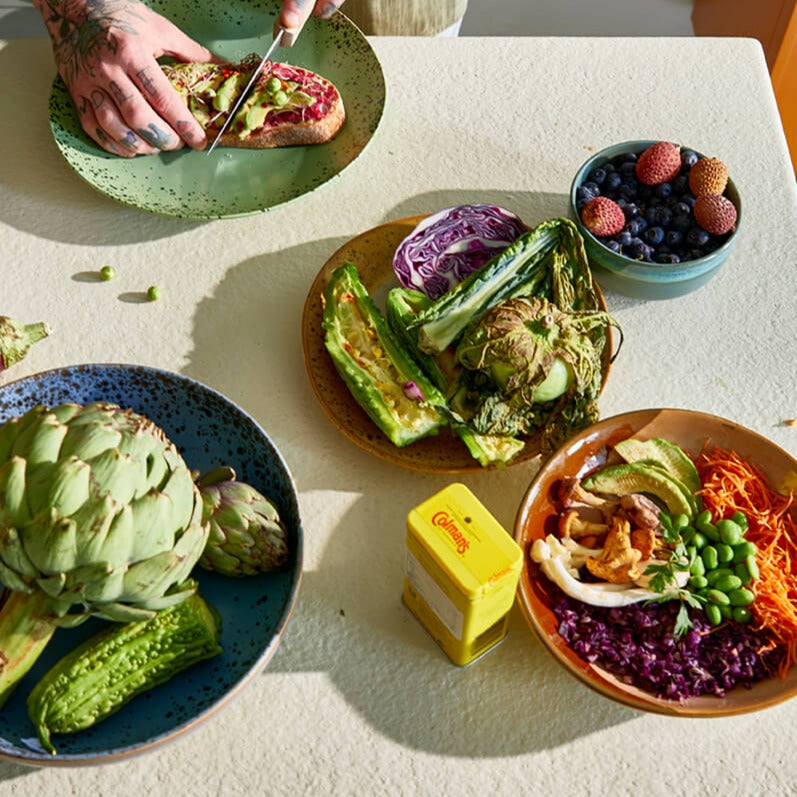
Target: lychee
715, 214
603, 216
659, 163
708, 176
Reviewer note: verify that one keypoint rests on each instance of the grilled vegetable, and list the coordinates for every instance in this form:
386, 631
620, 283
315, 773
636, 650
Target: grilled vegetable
17, 338
548, 261
99, 515
109, 669
401, 307
384, 380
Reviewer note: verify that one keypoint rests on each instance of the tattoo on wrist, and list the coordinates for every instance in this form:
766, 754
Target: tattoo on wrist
82, 31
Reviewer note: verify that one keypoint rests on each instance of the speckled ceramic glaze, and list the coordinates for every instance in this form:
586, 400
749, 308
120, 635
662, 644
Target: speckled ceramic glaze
209, 430
372, 253
237, 182
537, 517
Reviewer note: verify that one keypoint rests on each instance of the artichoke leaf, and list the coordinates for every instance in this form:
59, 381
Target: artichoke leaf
123, 613
89, 440
13, 492
13, 555
51, 542
11, 579
63, 486
150, 577
121, 476
152, 519
41, 442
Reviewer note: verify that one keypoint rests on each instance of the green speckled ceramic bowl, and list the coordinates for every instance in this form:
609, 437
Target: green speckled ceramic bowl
237, 182
637, 278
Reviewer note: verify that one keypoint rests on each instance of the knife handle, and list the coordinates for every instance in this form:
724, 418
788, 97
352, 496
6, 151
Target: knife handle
289, 36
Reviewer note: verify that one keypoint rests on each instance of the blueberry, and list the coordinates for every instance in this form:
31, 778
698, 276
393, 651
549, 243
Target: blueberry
627, 157
626, 191
635, 227
654, 235
650, 213
673, 238
630, 209
681, 209
667, 257
662, 215
628, 169
697, 238
612, 181
588, 191
689, 158
644, 191
688, 200
613, 245
680, 184
624, 238
663, 190
639, 250
597, 176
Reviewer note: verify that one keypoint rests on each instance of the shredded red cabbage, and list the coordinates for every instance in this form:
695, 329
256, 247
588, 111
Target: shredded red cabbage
636, 644
447, 246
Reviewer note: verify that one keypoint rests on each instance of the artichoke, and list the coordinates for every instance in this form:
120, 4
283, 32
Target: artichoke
99, 515
16, 339
246, 534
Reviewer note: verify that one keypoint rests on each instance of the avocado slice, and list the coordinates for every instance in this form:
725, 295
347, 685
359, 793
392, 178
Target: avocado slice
663, 453
637, 477
228, 91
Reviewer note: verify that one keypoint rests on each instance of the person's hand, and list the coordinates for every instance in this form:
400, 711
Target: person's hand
294, 14
105, 51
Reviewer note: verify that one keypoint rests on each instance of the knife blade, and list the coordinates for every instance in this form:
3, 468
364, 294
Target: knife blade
249, 86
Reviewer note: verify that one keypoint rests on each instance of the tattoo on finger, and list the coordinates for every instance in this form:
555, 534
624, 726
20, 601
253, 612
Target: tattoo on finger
328, 9
105, 141
147, 83
185, 129
118, 94
97, 98
155, 136
130, 139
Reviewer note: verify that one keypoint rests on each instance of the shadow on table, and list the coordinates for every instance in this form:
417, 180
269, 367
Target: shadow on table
69, 209
349, 620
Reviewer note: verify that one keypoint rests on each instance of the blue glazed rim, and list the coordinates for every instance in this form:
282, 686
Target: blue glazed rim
623, 266
233, 664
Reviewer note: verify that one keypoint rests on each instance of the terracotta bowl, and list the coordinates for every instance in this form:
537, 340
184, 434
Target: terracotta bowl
587, 450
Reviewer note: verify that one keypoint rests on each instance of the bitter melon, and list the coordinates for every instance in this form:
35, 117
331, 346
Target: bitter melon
109, 669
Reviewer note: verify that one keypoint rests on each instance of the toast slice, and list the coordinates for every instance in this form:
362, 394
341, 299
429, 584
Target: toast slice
288, 106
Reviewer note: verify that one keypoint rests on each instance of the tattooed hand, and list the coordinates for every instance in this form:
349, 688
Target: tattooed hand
105, 51
294, 14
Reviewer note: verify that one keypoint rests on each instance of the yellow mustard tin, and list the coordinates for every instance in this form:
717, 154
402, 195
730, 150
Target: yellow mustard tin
461, 572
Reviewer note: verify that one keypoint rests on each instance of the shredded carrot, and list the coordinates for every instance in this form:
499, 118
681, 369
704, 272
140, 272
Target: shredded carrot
732, 484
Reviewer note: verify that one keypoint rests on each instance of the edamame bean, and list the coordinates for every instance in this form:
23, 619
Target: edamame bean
715, 596
699, 540
279, 98
743, 574
698, 582
703, 517
740, 597
752, 566
724, 553
730, 532
728, 583
713, 613
274, 84
714, 576
710, 530
742, 614
726, 611
743, 550
698, 567
680, 522
740, 519
709, 556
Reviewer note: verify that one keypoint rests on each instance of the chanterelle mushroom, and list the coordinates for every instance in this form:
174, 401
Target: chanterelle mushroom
619, 559
571, 493
571, 524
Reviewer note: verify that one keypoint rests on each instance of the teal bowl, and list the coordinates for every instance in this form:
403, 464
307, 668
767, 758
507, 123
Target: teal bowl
638, 278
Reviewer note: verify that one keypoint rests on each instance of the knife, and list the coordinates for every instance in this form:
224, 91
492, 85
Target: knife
281, 32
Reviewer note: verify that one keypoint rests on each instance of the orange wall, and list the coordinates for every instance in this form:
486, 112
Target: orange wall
774, 24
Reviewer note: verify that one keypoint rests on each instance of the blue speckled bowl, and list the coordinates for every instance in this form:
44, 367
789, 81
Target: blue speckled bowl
209, 430
640, 279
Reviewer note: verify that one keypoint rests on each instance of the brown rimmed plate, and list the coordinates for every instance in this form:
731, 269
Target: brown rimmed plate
372, 253
587, 450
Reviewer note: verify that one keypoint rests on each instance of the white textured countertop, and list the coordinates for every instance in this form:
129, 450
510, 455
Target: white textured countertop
358, 699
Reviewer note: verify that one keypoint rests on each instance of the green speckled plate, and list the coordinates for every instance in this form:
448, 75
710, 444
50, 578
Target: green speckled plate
236, 182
